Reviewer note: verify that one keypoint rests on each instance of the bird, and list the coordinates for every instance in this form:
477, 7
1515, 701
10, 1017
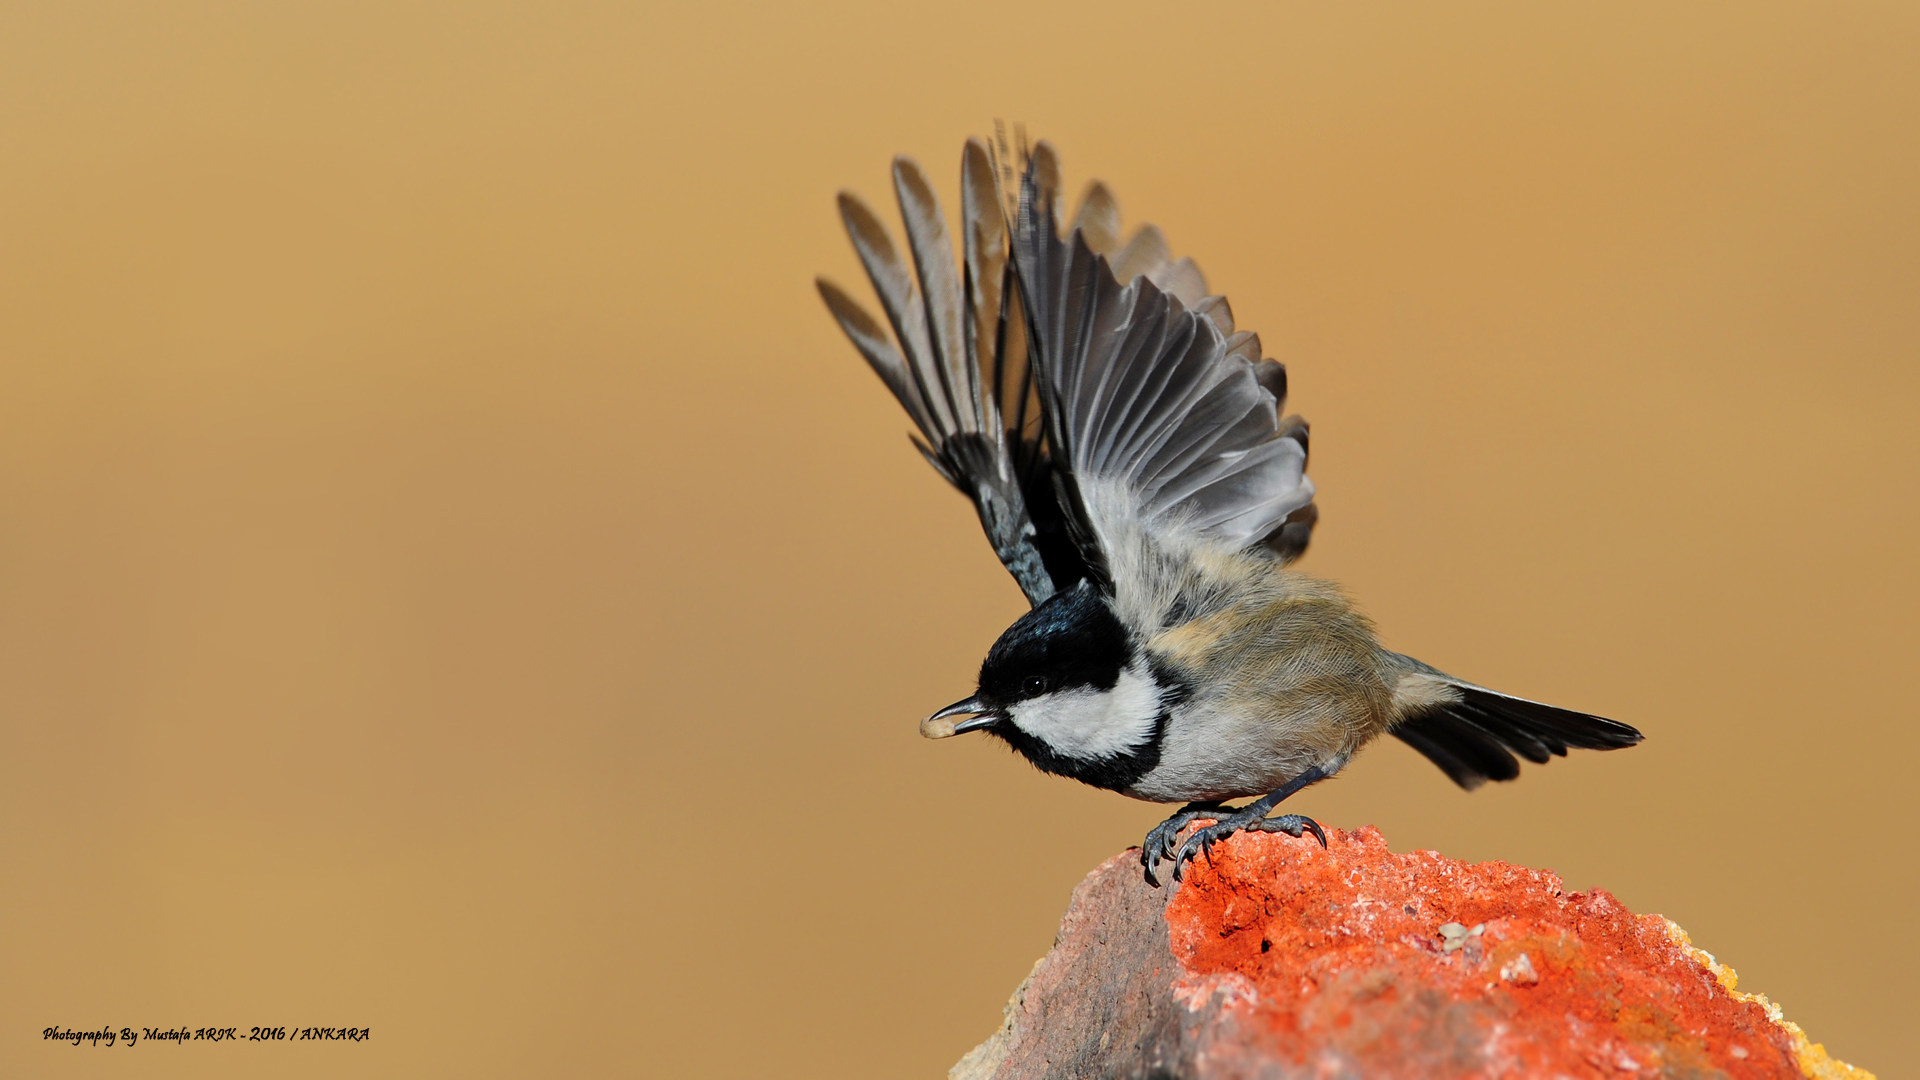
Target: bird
1126, 448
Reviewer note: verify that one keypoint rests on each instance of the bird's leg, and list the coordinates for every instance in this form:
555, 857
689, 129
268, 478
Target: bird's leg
1159, 844
1253, 818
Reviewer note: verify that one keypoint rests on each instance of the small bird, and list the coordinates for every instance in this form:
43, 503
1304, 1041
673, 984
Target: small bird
1125, 448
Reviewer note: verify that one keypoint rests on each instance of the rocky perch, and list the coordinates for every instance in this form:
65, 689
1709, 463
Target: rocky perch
1283, 960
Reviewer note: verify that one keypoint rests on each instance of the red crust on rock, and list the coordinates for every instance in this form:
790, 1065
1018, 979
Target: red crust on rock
1341, 950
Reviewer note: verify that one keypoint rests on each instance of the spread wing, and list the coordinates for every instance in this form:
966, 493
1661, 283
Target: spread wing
1139, 397
1159, 414
958, 361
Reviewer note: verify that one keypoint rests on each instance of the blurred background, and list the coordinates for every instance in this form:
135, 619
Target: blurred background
455, 579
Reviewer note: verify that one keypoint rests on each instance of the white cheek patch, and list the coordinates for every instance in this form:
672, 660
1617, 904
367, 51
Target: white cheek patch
1087, 723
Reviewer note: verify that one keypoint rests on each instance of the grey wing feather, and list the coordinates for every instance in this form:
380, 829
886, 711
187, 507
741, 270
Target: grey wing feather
1098, 218
1145, 254
952, 362
871, 339
1159, 412
986, 272
940, 292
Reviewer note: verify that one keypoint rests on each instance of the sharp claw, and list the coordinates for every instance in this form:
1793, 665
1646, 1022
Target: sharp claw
1152, 853
1187, 851
1180, 864
1297, 825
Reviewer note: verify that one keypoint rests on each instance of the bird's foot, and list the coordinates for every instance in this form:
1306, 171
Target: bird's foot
1251, 819
1159, 844
1227, 821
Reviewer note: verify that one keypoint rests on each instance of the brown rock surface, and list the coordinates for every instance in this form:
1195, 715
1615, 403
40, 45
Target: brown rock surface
1284, 960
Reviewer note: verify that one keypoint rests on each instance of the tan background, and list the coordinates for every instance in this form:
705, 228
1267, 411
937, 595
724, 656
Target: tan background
455, 579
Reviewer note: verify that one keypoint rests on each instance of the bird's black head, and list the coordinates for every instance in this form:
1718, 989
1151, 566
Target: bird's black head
1073, 641
1069, 689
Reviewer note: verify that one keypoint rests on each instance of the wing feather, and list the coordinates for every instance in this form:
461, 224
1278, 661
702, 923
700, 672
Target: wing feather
1098, 218
899, 298
1146, 253
1150, 389
1132, 374
1220, 312
871, 339
958, 361
933, 260
986, 273
1183, 280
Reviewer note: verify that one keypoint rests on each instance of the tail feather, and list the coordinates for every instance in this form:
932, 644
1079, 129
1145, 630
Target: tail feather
1474, 739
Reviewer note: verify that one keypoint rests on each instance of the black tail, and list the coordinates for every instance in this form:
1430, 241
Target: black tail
1473, 740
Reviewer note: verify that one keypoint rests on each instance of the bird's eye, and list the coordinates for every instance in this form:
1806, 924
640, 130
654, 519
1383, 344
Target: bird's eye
1034, 685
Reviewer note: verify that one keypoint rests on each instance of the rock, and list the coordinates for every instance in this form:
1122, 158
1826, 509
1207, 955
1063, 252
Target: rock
1283, 960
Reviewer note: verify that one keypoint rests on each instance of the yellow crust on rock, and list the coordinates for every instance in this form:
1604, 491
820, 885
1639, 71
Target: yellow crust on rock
1815, 1063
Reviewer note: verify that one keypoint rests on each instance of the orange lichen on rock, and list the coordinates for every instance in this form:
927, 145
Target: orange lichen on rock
1349, 941
1291, 960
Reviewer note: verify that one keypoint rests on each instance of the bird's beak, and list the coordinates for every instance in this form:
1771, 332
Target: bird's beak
940, 724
